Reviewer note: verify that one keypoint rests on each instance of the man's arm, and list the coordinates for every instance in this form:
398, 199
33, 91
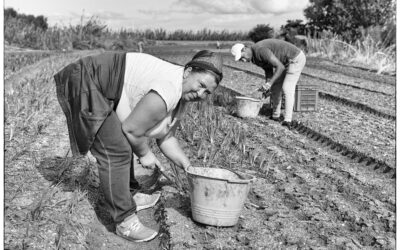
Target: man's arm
267, 56
269, 72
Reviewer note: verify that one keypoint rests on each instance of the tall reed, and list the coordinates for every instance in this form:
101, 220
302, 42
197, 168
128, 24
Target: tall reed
365, 52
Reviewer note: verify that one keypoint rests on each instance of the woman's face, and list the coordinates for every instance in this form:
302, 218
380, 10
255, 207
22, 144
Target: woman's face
197, 86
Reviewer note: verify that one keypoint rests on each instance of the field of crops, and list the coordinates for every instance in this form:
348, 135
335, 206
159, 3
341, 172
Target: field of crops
328, 183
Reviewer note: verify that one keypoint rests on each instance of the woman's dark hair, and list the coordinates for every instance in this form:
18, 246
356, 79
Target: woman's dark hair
202, 71
203, 53
206, 61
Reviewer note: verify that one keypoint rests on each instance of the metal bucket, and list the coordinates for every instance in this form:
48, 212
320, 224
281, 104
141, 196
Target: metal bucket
248, 107
217, 195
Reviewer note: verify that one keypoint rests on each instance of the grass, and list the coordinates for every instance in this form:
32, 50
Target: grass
40, 210
23, 104
219, 142
14, 61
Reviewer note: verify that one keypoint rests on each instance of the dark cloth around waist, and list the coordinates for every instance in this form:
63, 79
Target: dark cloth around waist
88, 90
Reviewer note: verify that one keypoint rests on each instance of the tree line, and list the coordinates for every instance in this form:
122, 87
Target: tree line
351, 20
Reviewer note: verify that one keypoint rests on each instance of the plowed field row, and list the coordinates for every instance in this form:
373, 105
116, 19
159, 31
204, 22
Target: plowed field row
369, 136
306, 194
372, 102
312, 197
358, 85
352, 71
350, 146
333, 94
341, 72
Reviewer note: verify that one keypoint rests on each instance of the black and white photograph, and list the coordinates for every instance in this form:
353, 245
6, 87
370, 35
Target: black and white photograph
199, 124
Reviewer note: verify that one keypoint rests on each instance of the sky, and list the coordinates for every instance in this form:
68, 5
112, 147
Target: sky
232, 15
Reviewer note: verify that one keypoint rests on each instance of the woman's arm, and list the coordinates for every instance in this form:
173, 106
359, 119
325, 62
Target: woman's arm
149, 111
169, 146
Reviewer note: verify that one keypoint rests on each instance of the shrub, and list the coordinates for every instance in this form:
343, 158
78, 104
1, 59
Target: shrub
261, 32
294, 31
349, 18
39, 22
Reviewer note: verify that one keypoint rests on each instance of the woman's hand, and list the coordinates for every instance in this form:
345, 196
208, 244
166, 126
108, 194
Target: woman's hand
150, 161
187, 168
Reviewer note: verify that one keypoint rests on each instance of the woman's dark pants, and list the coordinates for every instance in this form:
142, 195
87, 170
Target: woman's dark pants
115, 160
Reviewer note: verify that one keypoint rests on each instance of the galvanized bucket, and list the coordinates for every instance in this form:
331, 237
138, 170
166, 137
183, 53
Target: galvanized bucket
248, 107
217, 195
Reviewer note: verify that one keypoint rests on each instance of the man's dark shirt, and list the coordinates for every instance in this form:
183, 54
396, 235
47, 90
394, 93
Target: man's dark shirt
284, 51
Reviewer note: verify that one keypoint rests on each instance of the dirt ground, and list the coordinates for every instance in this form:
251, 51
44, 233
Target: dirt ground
306, 195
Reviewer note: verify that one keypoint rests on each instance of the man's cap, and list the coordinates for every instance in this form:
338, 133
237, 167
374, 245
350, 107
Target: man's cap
207, 60
237, 51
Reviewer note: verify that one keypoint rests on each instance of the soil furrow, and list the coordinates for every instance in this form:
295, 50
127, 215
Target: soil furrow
347, 151
376, 133
357, 82
325, 184
361, 163
347, 85
318, 168
317, 176
349, 218
281, 207
370, 184
351, 70
355, 105
367, 138
379, 102
340, 213
343, 101
317, 63
384, 105
374, 71
316, 77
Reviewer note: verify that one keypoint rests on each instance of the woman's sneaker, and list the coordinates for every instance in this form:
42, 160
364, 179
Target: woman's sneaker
144, 201
132, 229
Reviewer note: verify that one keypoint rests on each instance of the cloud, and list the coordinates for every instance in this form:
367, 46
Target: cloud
242, 6
153, 12
233, 18
278, 6
235, 22
110, 15
230, 7
216, 7
109, 18
224, 14
104, 15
